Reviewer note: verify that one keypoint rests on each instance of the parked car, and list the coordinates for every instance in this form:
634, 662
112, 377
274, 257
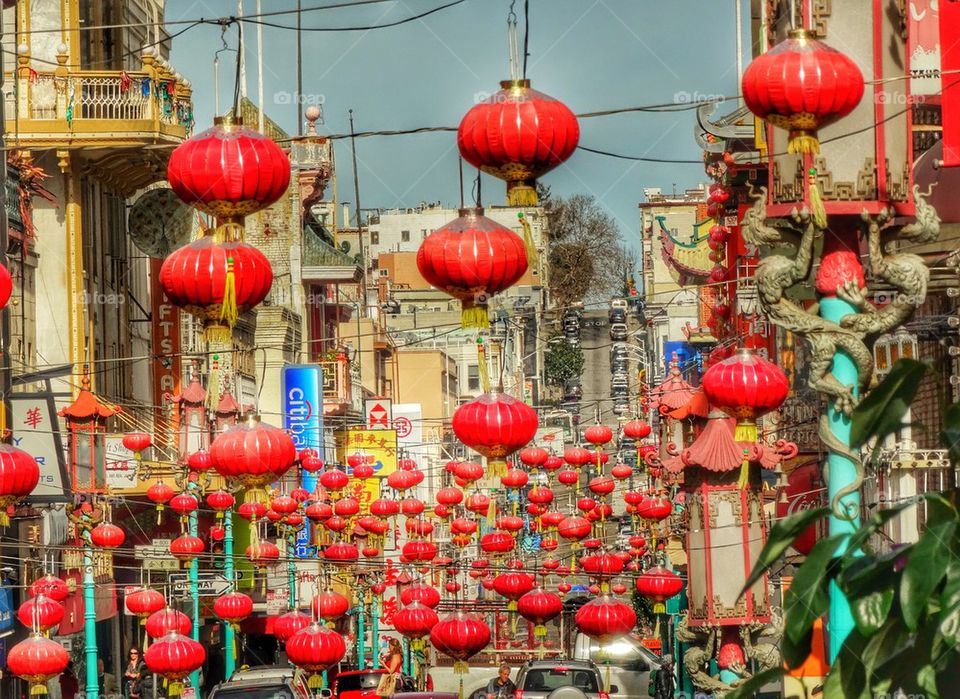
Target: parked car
631, 664
539, 678
618, 332
362, 684
266, 682
617, 315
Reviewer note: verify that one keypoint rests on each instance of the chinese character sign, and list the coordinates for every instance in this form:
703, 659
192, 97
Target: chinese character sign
379, 448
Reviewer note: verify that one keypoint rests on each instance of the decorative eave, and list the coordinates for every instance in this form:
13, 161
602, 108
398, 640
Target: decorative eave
87, 406
716, 449
193, 394
690, 260
697, 406
733, 133
674, 392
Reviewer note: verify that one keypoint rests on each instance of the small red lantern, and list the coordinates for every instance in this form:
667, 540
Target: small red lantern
420, 551
415, 621
518, 134
534, 456
263, 553
574, 528
801, 85
449, 496
137, 441
144, 602
183, 504
636, 429
220, 501
605, 619
167, 620
342, 552
36, 660
598, 435
424, 594
185, 548
50, 585
460, 636
200, 461
107, 535
233, 607
513, 586
659, 584
497, 542
314, 649
174, 657
330, 606
472, 258
160, 493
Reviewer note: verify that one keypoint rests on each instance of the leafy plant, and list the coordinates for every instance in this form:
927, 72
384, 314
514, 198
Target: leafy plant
562, 361
905, 602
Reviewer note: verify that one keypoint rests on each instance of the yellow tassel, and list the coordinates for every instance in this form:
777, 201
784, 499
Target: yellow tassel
217, 333
539, 631
38, 688
528, 241
315, 681
213, 382
228, 232
746, 431
803, 142
4, 518
159, 514
817, 210
491, 513
482, 365
228, 309
474, 316
659, 608
175, 689
461, 667
521, 194
496, 468
656, 627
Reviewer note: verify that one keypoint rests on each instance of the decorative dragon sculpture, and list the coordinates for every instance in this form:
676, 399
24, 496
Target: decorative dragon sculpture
856, 332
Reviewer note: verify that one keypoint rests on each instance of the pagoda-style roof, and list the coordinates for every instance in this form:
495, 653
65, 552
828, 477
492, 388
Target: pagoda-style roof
228, 404
697, 406
87, 406
194, 393
674, 392
716, 449
690, 259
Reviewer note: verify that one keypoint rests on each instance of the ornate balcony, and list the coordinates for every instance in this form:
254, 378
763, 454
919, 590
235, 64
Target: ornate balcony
322, 263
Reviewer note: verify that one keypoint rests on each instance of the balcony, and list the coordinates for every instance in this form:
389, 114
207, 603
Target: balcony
337, 385
322, 263
122, 120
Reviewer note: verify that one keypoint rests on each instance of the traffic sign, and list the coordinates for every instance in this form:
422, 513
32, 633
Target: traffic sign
156, 555
208, 584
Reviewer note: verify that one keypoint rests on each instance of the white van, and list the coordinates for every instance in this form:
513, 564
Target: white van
629, 661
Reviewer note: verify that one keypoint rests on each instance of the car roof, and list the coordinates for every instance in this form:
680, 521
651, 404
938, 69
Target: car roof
368, 671
262, 672
560, 662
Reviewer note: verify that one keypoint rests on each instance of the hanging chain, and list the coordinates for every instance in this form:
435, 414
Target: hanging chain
513, 47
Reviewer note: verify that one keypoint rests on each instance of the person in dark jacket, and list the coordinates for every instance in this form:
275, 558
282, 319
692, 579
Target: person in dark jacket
664, 683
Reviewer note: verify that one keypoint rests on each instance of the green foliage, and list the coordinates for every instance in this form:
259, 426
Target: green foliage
643, 608
906, 602
562, 361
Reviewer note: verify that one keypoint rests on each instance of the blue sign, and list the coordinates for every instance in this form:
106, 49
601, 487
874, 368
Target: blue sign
303, 418
683, 350
6, 607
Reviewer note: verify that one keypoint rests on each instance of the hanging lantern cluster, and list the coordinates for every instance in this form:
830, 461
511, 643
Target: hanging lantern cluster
230, 172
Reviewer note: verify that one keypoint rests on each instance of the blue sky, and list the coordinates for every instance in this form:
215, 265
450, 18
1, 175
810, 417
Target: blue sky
591, 54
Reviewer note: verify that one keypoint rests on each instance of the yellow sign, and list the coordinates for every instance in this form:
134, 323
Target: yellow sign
378, 447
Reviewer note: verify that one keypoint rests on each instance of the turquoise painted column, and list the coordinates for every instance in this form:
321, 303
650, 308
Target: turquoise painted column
842, 473
195, 599
229, 637
89, 624
361, 633
292, 567
406, 656
375, 641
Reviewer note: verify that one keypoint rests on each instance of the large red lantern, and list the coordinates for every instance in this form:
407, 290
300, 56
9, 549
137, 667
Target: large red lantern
495, 425
659, 584
472, 258
19, 475
50, 585
801, 84
36, 660
40, 613
6, 281
229, 171
518, 134
288, 624
539, 607
460, 636
330, 606
144, 602
424, 594
216, 281
513, 586
107, 536
415, 621
233, 607
315, 648
253, 454
605, 619
174, 657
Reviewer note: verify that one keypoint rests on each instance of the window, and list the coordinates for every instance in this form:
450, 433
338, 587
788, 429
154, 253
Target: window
473, 377
374, 237
423, 233
404, 236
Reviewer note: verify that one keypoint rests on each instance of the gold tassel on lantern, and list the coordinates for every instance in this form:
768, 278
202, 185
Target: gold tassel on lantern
315, 681
4, 517
228, 309
474, 315
482, 367
528, 241
746, 431
521, 193
803, 141
217, 333
496, 468
461, 667
38, 688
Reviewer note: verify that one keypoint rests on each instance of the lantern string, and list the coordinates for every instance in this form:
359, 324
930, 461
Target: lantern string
513, 49
526, 35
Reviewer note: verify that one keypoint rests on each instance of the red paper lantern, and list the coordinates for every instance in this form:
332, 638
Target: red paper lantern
263, 553
174, 657
252, 511
167, 620
144, 602
518, 134
601, 565
233, 607
334, 479
253, 454
460, 636
19, 475
540, 495
229, 171
137, 441
497, 542
40, 613
160, 493
384, 507
577, 456
472, 258
200, 461
513, 586
449, 496
185, 548
424, 594
636, 429
419, 551
534, 456
285, 625
330, 606
514, 478
495, 425
216, 281
220, 501
107, 535
601, 485
415, 621
598, 434
183, 504
746, 385
621, 471
659, 585
311, 463
540, 608
6, 281
36, 660
574, 528
342, 552
801, 85
314, 649
50, 585
605, 619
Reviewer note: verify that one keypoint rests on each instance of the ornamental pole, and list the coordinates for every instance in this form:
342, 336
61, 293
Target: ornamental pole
229, 639
194, 592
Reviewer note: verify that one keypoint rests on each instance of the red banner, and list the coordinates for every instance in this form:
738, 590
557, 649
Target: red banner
950, 80
165, 350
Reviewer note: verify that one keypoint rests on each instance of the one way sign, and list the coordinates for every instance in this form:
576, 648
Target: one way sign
379, 413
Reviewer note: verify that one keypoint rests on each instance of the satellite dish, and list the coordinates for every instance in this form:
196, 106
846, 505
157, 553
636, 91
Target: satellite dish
159, 222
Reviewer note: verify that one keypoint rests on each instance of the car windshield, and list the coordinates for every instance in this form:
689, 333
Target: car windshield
273, 691
351, 683
548, 679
